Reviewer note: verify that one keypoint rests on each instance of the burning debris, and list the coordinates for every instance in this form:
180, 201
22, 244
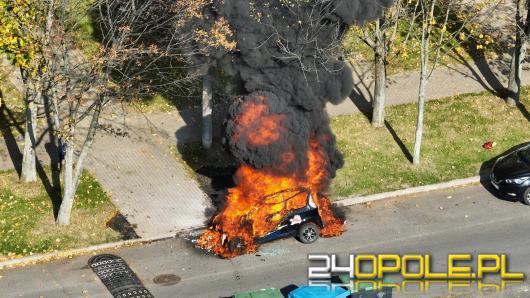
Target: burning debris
288, 65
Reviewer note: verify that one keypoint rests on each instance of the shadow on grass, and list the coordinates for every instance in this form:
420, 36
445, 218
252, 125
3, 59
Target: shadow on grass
484, 74
364, 105
52, 148
8, 121
483, 71
398, 141
524, 111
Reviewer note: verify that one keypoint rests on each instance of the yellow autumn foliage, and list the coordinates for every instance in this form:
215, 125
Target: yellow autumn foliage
18, 20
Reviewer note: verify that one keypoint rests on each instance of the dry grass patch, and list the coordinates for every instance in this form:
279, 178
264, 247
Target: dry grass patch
27, 224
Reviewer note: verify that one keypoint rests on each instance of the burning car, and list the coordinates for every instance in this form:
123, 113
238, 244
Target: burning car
304, 223
299, 213
277, 127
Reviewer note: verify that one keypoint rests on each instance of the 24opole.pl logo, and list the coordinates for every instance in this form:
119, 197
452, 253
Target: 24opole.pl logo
462, 270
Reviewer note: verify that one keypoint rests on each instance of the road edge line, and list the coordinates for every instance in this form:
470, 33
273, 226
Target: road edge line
69, 253
353, 200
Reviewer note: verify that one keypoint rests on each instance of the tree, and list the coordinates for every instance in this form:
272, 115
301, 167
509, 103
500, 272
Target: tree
24, 32
207, 132
438, 23
214, 37
522, 31
143, 48
380, 36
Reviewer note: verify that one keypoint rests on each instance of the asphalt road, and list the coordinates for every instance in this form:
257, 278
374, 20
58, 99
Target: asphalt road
462, 220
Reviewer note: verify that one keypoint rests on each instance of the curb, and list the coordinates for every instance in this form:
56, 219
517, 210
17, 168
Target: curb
408, 191
69, 253
353, 200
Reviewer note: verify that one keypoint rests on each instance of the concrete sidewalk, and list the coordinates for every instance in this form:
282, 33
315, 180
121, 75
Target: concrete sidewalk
149, 187
185, 126
445, 81
145, 181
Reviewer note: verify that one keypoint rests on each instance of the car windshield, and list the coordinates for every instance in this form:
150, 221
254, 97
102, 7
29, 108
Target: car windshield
525, 153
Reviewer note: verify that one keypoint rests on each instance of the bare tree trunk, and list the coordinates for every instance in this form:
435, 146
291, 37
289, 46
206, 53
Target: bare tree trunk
419, 125
378, 104
424, 78
34, 97
71, 181
514, 81
65, 210
519, 53
206, 111
29, 159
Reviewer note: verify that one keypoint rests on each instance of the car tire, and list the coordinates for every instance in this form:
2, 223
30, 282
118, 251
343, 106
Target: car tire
308, 233
526, 196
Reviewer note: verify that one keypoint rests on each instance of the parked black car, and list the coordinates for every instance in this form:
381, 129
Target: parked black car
510, 174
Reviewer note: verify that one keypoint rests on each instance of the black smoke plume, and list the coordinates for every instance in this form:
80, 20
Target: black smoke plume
288, 56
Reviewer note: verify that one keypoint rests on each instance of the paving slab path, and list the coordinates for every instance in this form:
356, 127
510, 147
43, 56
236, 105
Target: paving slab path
446, 80
146, 182
402, 88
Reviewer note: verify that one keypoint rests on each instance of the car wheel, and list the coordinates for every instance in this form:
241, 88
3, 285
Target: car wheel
526, 196
308, 233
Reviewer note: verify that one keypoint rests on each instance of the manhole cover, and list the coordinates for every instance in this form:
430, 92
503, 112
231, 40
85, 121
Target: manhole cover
166, 279
118, 277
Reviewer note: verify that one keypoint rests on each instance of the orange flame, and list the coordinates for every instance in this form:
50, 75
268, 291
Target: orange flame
262, 132
261, 199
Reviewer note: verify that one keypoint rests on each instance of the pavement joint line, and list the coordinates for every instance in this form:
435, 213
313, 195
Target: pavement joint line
353, 200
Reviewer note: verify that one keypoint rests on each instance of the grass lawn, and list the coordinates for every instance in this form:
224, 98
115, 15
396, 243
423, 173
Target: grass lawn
455, 129
27, 224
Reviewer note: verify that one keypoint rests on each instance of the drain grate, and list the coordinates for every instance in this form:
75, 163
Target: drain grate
118, 277
166, 279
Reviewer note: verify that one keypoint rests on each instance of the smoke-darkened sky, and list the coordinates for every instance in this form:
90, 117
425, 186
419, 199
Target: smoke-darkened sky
288, 51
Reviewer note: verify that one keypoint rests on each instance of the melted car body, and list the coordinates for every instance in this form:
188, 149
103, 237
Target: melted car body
297, 222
